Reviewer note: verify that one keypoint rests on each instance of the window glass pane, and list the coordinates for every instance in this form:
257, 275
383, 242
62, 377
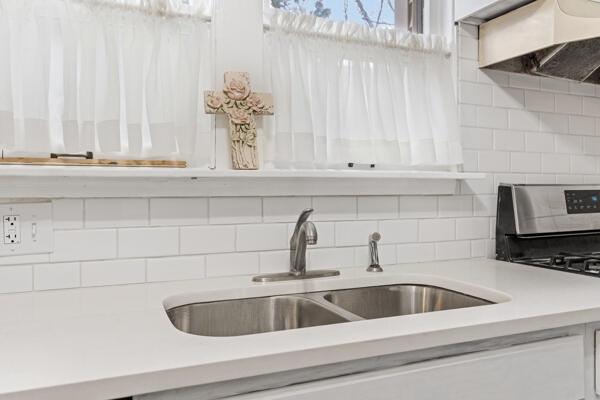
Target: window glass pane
375, 13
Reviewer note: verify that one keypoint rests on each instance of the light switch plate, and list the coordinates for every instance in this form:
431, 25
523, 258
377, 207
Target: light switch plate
26, 228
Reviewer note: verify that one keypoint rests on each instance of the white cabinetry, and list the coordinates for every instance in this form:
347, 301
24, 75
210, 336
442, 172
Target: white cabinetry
545, 370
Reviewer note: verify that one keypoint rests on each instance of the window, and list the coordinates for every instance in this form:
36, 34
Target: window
401, 14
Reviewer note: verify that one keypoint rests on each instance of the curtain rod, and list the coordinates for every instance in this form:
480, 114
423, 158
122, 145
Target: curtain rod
368, 42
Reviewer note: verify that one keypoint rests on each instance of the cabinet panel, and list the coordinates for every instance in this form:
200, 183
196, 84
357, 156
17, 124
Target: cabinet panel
547, 370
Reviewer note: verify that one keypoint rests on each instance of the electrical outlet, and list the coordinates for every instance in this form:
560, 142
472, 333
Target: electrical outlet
12, 229
26, 228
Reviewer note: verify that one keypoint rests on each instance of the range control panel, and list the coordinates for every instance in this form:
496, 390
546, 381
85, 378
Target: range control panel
582, 201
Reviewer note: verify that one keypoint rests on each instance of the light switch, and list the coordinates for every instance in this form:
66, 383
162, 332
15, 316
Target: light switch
26, 228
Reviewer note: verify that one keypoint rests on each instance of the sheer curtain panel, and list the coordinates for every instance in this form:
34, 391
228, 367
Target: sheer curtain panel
348, 93
121, 78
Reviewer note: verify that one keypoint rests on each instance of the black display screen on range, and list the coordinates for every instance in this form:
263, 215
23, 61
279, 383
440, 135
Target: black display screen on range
582, 201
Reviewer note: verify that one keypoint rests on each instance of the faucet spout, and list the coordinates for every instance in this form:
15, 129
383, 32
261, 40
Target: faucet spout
305, 234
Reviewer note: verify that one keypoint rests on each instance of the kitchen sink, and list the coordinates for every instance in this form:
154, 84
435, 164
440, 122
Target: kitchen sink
247, 316
391, 301
276, 313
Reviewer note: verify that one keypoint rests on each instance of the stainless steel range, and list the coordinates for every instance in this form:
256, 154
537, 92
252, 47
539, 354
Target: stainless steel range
550, 226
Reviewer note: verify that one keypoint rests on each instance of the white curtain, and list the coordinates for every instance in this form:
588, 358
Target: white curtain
122, 78
347, 93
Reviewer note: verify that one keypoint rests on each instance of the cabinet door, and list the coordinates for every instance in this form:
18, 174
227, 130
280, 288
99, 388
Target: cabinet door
546, 370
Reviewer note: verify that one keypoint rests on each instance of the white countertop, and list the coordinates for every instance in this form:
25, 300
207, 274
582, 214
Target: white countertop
99, 343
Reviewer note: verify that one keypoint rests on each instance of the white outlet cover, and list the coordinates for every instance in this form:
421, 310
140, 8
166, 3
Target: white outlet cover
35, 228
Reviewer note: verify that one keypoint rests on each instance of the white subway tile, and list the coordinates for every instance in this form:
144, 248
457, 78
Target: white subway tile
579, 125
115, 272
455, 206
468, 30
331, 258
478, 248
436, 230
415, 252
492, 77
568, 104
178, 211
56, 276
583, 164
509, 140
340, 208
525, 162
485, 205
387, 255
467, 70
25, 259
67, 213
539, 142
262, 237
377, 207
555, 123
555, 163
207, 239
148, 242
470, 161
477, 138
175, 268
591, 145
16, 279
284, 209
274, 261
591, 106
569, 179
540, 179
472, 228
475, 93
235, 210
508, 97
539, 101
477, 186
399, 231
354, 233
452, 250
523, 120
524, 81
116, 213
494, 161
569, 144
584, 89
232, 264
80, 245
418, 206
492, 117
554, 85
467, 114
468, 48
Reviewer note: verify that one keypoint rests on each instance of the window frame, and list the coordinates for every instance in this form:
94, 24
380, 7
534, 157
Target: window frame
405, 15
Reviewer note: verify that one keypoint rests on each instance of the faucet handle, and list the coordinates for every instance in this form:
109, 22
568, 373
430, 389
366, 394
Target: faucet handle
373, 239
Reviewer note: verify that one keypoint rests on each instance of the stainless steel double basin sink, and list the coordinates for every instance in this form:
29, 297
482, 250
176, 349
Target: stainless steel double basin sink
275, 313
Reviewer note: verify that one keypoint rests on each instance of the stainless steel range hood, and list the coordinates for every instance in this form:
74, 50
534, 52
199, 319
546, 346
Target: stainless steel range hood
555, 38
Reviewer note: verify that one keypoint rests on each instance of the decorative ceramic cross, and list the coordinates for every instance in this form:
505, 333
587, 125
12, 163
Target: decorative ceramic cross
240, 104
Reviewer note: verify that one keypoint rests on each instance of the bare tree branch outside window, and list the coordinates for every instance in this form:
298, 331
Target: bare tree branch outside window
374, 13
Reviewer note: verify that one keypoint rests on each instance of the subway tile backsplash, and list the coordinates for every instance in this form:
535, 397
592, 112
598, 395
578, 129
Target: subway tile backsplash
516, 128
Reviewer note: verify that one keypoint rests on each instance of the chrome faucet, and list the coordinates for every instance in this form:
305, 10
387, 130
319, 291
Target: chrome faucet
305, 234
374, 266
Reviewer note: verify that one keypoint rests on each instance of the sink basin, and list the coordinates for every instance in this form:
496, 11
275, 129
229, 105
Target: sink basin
391, 301
276, 313
247, 316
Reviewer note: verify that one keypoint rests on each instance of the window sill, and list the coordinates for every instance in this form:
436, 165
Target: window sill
39, 181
